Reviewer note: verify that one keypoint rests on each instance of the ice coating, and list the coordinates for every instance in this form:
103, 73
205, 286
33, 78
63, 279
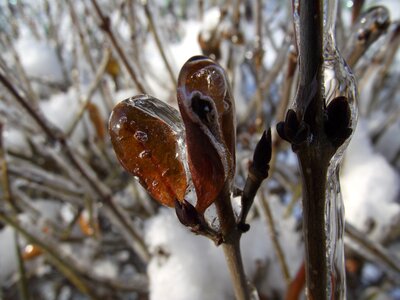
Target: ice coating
338, 82
207, 110
147, 136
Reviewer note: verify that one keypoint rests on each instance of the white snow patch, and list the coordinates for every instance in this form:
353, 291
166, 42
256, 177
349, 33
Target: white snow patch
370, 187
186, 266
8, 257
39, 59
189, 46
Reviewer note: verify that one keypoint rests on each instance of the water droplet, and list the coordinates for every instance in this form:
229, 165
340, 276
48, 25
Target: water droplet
141, 136
145, 154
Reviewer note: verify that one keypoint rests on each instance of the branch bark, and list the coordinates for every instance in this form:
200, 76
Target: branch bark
304, 128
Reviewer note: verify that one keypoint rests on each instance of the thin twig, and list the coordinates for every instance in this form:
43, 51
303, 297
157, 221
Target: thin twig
106, 27
83, 169
266, 209
258, 58
23, 284
5, 176
377, 251
89, 94
231, 245
160, 47
86, 50
60, 263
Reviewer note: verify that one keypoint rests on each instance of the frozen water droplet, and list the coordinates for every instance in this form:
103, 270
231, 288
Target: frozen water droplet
145, 154
141, 136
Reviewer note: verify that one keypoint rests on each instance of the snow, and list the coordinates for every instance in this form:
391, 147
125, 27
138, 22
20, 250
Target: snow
8, 257
210, 22
186, 266
370, 186
42, 60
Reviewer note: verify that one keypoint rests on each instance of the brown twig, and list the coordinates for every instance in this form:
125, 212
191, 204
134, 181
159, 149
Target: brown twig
231, 245
313, 155
266, 209
106, 27
160, 47
376, 251
82, 169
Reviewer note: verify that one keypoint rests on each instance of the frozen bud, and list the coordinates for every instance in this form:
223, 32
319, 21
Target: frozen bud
187, 214
292, 130
208, 113
262, 155
338, 121
146, 136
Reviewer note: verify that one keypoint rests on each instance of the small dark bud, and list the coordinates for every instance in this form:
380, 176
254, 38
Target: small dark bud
262, 154
187, 213
292, 130
338, 121
243, 227
105, 26
280, 128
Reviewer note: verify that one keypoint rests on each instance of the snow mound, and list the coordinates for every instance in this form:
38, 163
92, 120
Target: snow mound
185, 266
370, 187
39, 59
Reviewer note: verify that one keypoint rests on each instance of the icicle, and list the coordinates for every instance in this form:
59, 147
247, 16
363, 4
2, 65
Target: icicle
338, 82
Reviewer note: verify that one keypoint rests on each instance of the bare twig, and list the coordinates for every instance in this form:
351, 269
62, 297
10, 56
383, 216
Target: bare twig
106, 27
23, 285
258, 58
376, 251
153, 29
357, 8
231, 245
83, 170
266, 209
368, 29
89, 94
63, 264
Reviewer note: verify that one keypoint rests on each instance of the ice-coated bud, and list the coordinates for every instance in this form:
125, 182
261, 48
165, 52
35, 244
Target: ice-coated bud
145, 133
187, 213
262, 155
208, 113
338, 121
292, 130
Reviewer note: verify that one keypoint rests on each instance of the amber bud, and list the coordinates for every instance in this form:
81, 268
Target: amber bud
208, 113
145, 135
